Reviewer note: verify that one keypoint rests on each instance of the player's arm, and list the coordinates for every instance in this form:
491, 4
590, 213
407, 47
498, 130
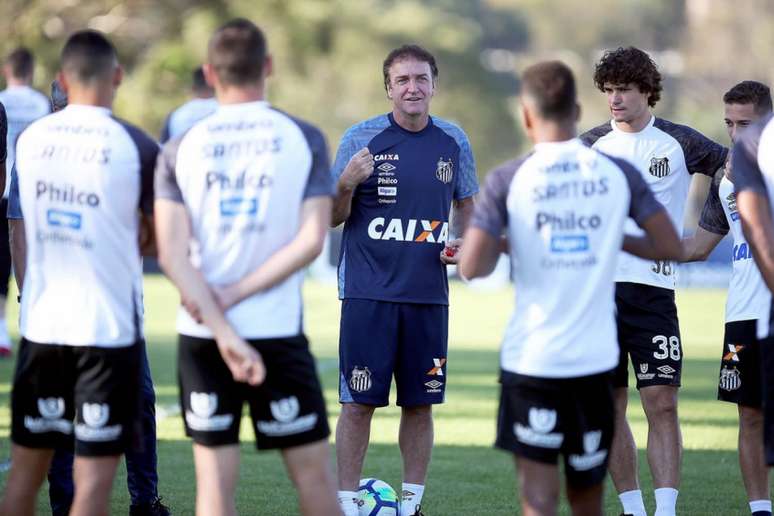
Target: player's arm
697, 247
147, 238
480, 254
758, 227
174, 232
359, 168
465, 191
16, 237
462, 212
660, 241
297, 254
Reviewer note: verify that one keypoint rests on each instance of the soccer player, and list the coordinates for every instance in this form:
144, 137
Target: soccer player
23, 106
397, 177
563, 208
85, 181
3, 143
201, 105
243, 202
666, 154
142, 476
748, 299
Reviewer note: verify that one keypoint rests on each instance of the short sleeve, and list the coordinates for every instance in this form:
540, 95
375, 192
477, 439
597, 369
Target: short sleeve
148, 150
14, 204
643, 203
165, 179
744, 161
491, 211
467, 180
320, 182
713, 217
702, 155
3, 134
347, 149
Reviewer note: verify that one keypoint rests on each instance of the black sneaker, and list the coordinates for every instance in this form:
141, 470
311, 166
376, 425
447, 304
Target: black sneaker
418, 512
154, 508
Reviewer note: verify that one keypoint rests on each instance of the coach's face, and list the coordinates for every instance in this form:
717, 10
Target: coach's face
410, 87
626, 102
737, 117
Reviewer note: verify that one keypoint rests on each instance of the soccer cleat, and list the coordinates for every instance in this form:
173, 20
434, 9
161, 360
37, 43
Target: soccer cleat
418, 512
154, 508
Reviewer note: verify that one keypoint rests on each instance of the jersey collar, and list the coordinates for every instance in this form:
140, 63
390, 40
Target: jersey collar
425, 130
647, 126
554, 146
85, 108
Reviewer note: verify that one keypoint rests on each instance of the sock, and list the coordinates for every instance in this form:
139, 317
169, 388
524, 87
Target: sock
760, 507
411, 497
666, 500
632, 503
348, 503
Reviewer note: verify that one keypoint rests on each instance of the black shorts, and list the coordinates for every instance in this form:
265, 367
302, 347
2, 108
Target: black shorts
541, 418
649, 333
56, 384
287, 409
5, 249
740, 365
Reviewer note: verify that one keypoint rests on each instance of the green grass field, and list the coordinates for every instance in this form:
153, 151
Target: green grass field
467, 476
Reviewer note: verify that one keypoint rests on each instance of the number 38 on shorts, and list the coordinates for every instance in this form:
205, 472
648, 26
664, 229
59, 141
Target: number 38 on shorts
668, 347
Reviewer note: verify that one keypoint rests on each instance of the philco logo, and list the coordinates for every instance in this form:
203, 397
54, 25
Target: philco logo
659, 167
444, 171
412, 230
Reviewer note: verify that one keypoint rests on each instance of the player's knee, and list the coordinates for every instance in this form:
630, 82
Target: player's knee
419, 412
750, 418
357, 412
661, 404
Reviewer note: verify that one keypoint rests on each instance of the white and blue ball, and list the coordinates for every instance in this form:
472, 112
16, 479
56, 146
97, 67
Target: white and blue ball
377, 498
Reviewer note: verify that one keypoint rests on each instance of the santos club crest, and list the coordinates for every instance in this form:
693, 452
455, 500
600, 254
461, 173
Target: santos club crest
444, 171
659, 167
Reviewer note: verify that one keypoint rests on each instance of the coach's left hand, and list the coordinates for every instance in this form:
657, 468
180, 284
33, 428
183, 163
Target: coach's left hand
451, 252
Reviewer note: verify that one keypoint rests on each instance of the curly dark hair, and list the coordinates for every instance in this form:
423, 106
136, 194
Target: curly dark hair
629, 65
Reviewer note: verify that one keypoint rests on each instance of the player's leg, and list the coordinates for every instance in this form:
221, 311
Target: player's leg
28, 470
211, 403
42, 411
755, 473
106, 401
538, 487
589, 422
93, 482
311, 473
217, 473
61, 489
623, 465
288, 412
420, 377
665, 444
141, 463
367, 348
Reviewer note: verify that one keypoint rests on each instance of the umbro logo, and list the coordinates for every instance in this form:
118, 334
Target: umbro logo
666, 369
386, 167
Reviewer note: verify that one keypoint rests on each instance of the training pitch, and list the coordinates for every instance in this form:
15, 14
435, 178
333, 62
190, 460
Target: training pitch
467, 476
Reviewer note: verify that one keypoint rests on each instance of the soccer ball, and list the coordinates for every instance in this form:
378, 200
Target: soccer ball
376, 498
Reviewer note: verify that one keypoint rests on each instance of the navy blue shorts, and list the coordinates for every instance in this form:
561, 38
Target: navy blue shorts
379, 339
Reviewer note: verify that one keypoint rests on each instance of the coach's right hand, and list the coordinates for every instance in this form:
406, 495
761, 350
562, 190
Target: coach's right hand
244, 362
359, 168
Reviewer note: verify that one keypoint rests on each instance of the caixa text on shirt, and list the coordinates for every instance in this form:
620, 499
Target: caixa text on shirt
239, 181
66, 193
410, 230
242, 148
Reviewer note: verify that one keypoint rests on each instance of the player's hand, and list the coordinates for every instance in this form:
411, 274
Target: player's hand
226, 296
244, 362
451, 252
192, 309
359, 168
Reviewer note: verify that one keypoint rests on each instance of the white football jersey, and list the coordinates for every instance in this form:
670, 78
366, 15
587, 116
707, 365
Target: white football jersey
563, 209
748, 297
666, 154
23, 105
243, 174
83, 176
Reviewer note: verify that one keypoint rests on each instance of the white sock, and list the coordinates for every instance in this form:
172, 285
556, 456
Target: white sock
348, 503
760, 505
632, 502
666, 500
410, 498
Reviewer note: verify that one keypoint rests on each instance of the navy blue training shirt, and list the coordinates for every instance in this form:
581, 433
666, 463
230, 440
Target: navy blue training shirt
400, 215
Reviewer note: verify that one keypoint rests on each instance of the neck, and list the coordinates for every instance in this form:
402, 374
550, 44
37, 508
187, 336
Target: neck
15, 82
203, 94
636, 125
91, 97
553, 132
411, 123
240, 94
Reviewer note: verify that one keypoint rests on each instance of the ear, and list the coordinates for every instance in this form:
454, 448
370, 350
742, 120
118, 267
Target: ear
118, 76
62, 79
209, 75
577, 112
268, 66
389, 90
526, 117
